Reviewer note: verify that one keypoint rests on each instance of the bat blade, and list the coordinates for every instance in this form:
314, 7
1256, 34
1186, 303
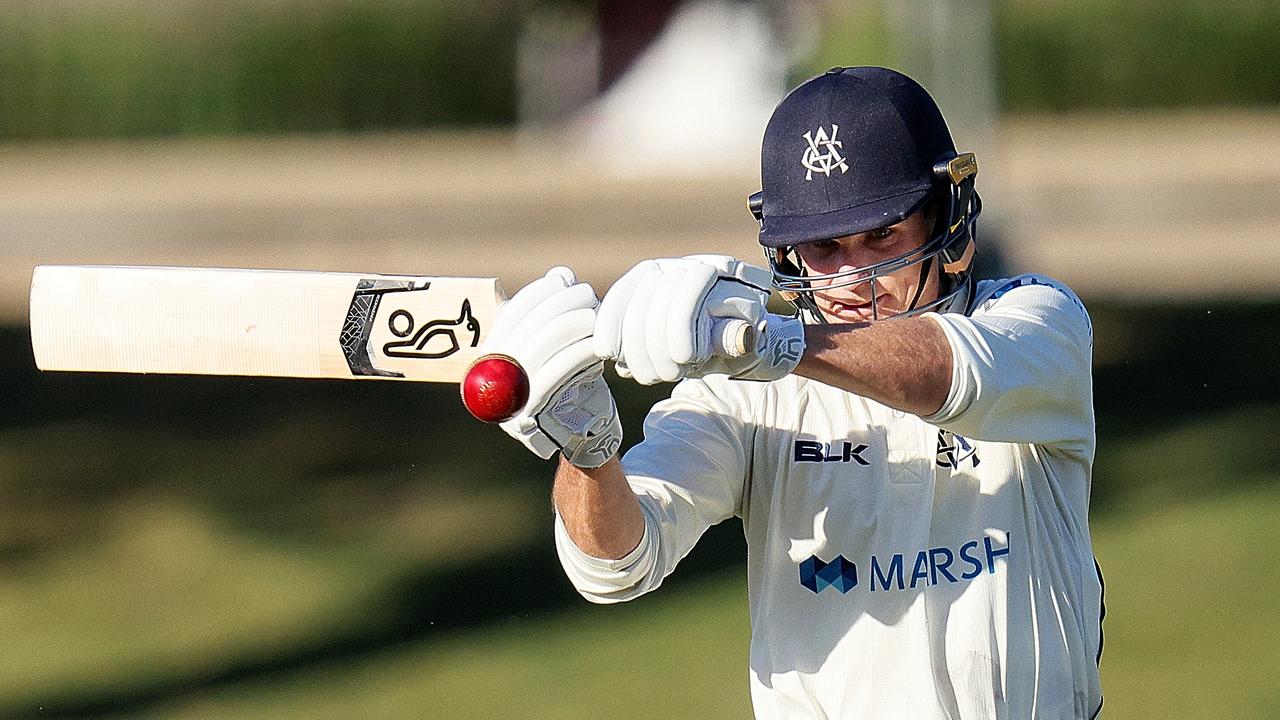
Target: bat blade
202, 321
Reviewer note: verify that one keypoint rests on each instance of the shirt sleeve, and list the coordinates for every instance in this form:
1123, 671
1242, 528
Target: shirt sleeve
1021, 367
688, 475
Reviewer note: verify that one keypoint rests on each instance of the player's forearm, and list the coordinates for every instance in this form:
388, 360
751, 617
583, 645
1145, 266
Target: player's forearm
903, 363
599, 509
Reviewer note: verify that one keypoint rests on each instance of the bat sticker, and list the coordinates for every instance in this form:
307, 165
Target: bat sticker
437, 339
356, 329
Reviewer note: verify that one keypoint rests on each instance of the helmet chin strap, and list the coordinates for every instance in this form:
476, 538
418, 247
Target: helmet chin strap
806, 303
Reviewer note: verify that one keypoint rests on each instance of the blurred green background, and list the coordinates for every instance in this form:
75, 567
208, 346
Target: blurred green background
137, 68
235, 548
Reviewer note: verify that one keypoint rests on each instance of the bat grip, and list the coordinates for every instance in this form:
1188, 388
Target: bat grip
732, 338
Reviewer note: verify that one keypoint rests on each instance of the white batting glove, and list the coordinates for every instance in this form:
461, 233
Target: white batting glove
657, 321
547, 328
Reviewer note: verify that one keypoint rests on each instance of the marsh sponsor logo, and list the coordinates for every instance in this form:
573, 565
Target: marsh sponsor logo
908, 571
818, 575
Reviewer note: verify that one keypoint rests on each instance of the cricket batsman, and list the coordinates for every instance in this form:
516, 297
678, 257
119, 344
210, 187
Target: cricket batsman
910, 454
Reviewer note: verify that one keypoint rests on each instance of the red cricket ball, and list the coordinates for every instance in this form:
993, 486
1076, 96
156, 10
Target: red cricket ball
495, 388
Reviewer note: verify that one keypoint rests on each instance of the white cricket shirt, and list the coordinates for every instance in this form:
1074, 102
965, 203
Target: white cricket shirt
898, 566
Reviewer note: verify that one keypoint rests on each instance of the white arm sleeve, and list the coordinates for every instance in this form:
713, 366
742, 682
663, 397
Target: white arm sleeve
1021, 367
688, 475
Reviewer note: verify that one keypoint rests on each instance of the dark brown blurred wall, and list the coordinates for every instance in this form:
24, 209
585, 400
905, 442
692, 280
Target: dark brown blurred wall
626, 29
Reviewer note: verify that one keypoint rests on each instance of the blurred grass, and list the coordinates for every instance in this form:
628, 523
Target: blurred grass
855, 33
153, 68
1080, 55
1061, 55
135, 69
1191, 595
682, 656
199, 547
1190, 592
163, 589
1189, 634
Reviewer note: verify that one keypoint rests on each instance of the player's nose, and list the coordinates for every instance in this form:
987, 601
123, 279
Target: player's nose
854, 258
855, 269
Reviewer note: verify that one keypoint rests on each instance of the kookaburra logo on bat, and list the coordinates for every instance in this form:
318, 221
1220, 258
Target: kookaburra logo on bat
434, 340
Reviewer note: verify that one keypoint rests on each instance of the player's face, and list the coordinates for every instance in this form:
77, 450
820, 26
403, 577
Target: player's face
892, 293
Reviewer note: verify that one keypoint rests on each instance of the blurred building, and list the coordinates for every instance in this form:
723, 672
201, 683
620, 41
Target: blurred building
679, 87
688, 86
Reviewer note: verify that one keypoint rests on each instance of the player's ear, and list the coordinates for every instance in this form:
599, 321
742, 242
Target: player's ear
933, 216
755, 204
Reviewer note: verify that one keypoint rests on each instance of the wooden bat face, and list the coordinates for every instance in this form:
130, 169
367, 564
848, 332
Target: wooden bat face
259, 322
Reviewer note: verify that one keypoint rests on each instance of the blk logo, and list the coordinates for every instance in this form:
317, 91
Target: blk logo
823, 154
814, 451
818, 575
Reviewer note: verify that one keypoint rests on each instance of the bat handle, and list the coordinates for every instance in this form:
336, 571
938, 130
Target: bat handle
732, 338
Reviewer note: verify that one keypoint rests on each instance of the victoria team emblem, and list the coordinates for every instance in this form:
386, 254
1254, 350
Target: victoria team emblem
954, 451
823, 154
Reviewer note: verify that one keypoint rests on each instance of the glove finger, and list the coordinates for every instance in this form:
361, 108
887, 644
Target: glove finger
536, 322
634, 338
728, 266
560, 370
676, 263
621, 368
562, 331
656, 325
756, 277
724, 264
613, 309
525, 429
564, 273
688, 333
751, 309
514, 310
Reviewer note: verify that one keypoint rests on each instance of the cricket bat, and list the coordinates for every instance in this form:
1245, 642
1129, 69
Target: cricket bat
273, 323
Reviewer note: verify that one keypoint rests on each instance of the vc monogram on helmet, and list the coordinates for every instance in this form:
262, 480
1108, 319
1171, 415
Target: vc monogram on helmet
823, 153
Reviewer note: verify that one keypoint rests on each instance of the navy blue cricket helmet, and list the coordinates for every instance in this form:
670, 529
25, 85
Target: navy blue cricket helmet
853, 150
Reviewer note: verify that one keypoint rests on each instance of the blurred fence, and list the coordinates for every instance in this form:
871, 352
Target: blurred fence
1156, 207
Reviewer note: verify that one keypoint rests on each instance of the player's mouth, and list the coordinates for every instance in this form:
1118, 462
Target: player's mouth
855, 309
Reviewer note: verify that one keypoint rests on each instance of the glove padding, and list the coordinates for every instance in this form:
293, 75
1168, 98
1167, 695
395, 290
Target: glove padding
656, 322
547, 327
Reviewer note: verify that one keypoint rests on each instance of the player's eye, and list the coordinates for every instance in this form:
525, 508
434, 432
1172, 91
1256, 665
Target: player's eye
880, 235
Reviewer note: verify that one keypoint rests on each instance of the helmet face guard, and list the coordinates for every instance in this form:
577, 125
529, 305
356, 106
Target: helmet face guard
951, 245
